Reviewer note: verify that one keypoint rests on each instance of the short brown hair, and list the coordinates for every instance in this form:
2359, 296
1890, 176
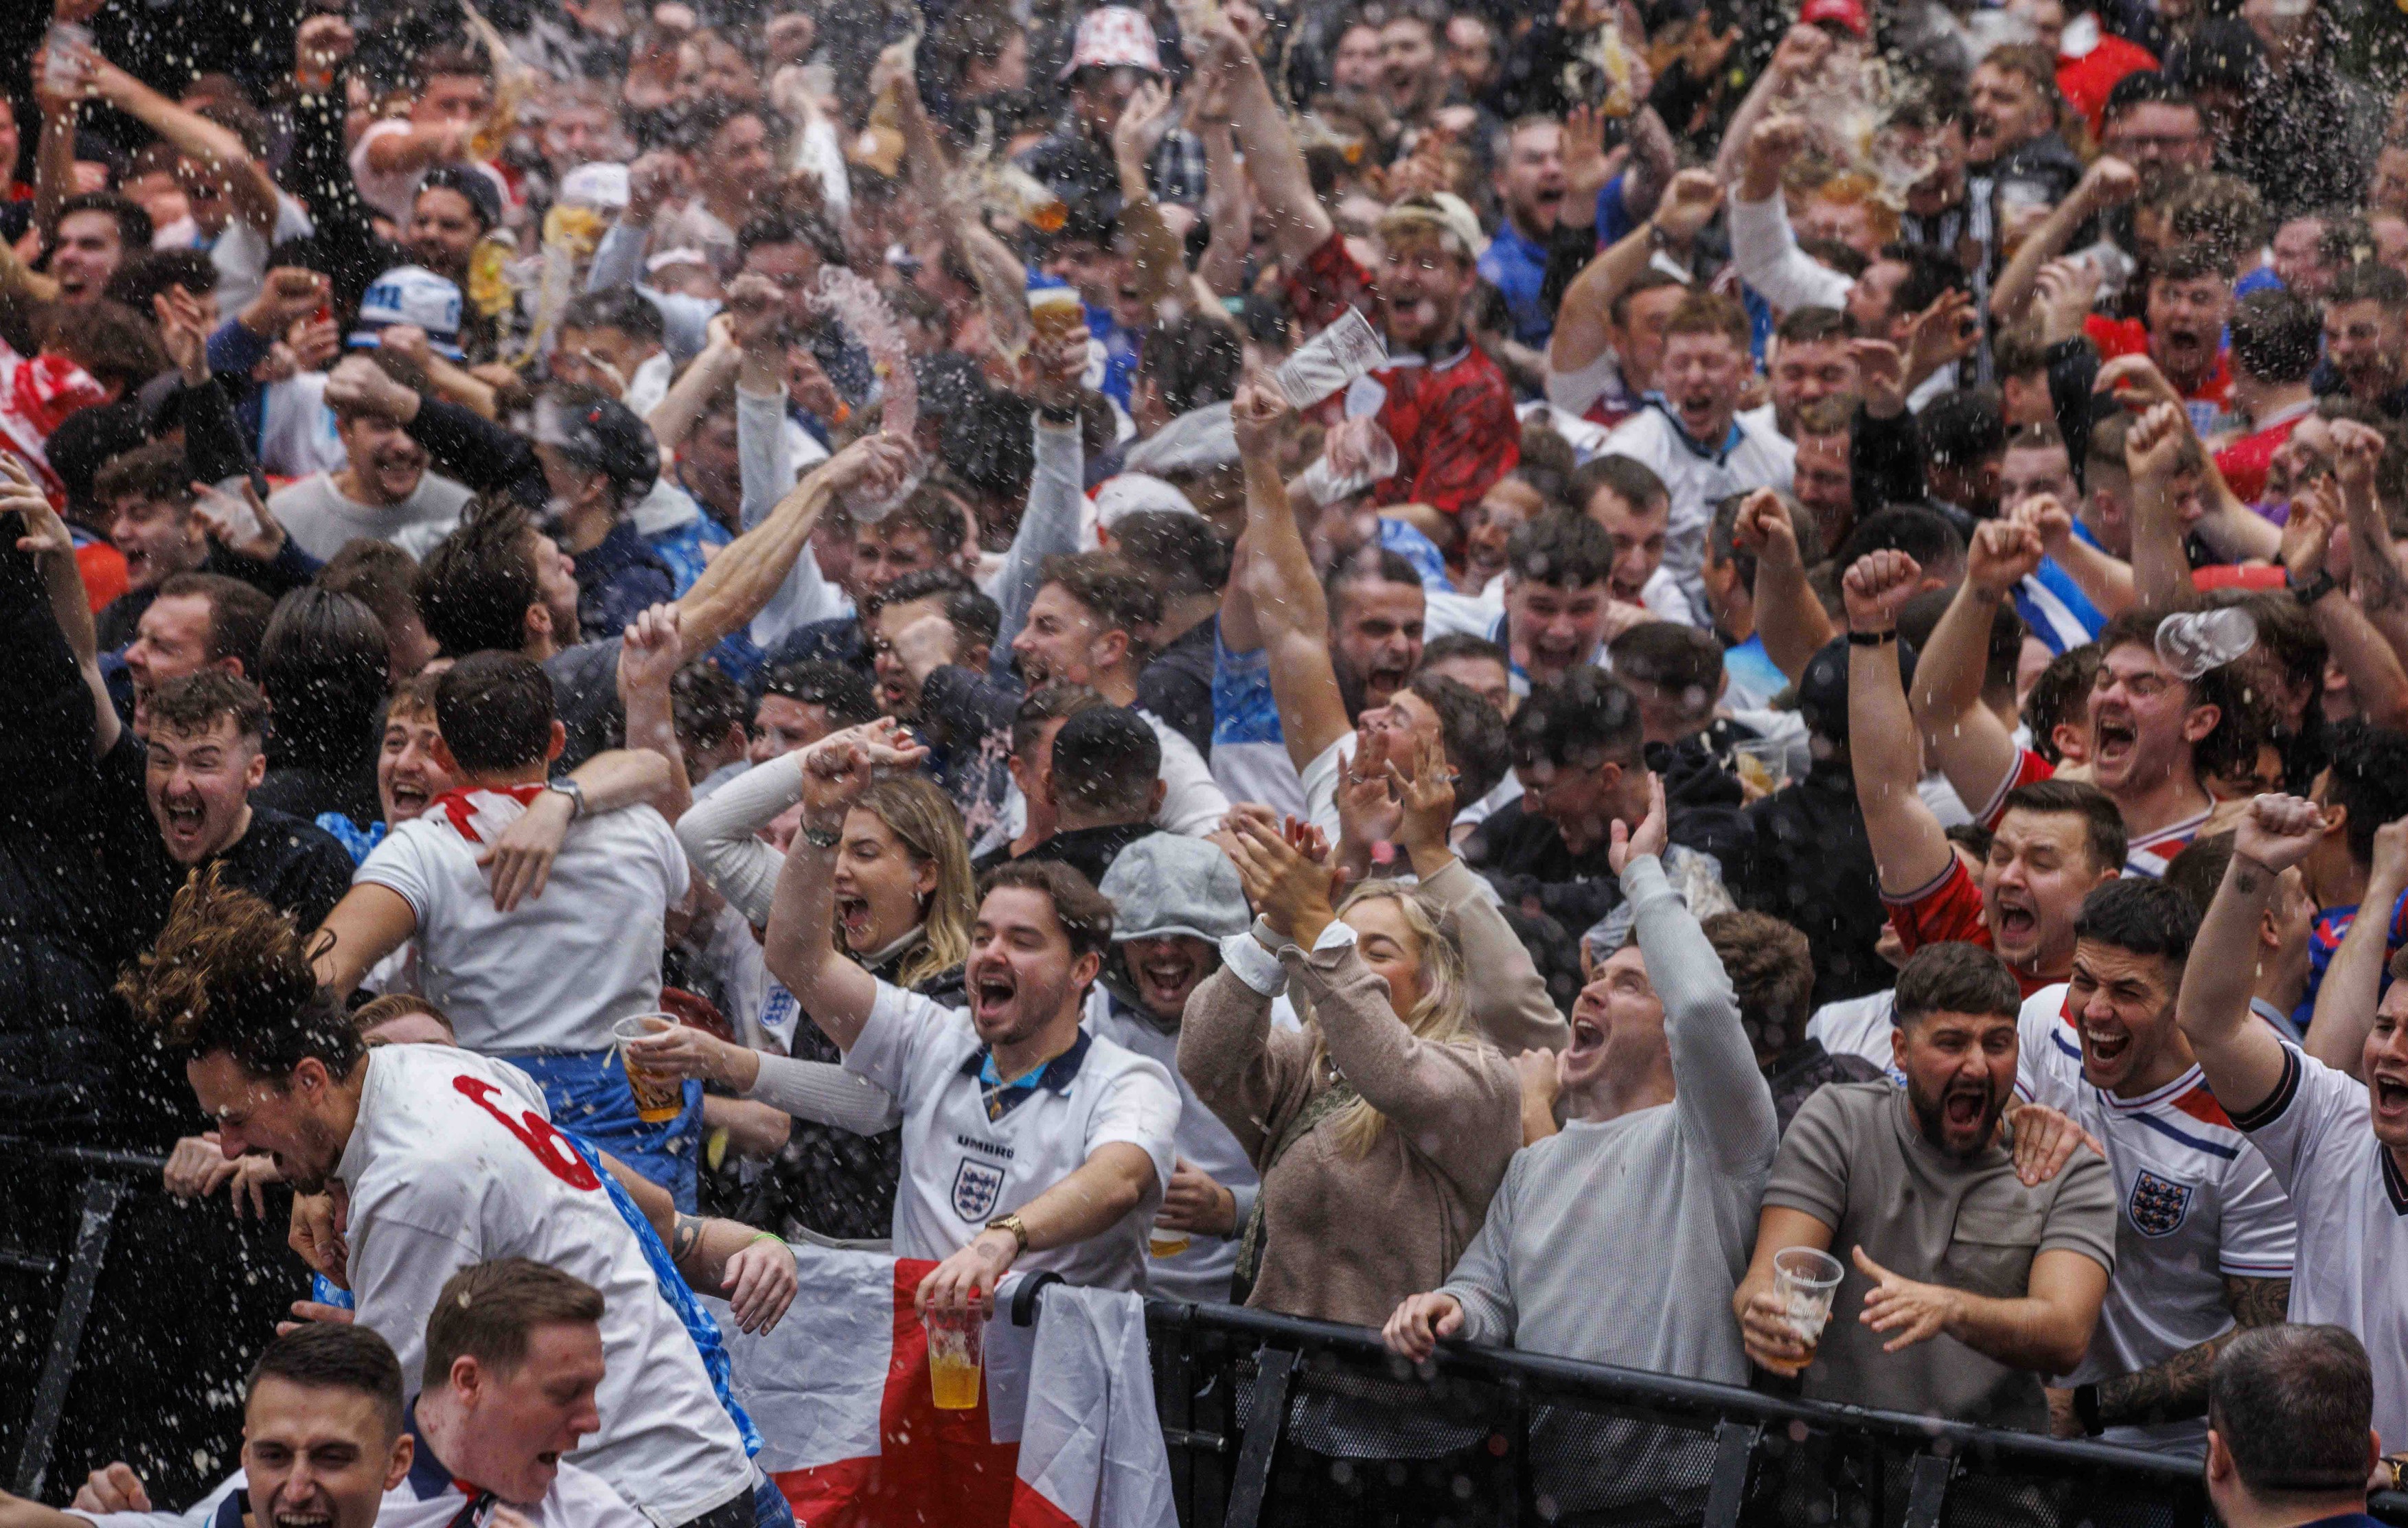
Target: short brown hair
1055, 703
1771, 972
1085, 916
377, 574
412, 697
105, 339
496, 710
1956, 978
1117, 594
393, 1005
488, 1310
239, 614
2103, 824
156, 473
1710, 312
193, 703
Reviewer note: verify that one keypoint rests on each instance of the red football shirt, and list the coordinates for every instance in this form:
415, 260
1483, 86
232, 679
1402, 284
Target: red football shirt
1453, 420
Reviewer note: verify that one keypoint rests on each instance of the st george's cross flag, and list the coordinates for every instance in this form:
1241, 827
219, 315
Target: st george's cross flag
1065, 1434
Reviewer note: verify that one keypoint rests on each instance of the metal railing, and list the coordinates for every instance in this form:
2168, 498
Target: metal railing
1274, 1420
1269, 1419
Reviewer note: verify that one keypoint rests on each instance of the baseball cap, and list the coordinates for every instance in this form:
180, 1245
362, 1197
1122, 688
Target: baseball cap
1442, 210
1134, 493
1168, 884
601, 435
1113, 37
1847, 13
414, 295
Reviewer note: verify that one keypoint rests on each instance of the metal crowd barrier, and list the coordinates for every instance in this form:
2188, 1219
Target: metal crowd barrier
128, 1318
1275, 1421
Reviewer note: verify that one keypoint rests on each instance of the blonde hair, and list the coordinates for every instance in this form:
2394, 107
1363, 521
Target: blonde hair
1442, 1017
918, 812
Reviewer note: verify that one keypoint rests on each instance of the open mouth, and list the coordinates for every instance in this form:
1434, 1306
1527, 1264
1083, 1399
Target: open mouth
853, 917
409, 798
302, 1520
993, 992
2016, 923
1963, 1106
1587, 1035
2390, 1096
184, 818
1166, 976
2105, 1046
2113, 737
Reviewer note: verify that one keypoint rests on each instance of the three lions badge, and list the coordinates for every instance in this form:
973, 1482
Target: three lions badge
2157, 1205
976, 1184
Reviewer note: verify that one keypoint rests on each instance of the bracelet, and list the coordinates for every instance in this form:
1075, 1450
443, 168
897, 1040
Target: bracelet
2268, 870
820, 838
1872, 639
760, 1236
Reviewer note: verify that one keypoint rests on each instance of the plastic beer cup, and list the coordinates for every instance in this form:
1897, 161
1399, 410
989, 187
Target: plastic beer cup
659, 1098
955, 1357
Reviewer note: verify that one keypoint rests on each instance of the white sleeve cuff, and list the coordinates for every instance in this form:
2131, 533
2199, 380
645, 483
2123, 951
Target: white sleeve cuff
1254, 965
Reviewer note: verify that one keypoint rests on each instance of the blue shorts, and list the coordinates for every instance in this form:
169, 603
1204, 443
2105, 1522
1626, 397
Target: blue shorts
587, 1092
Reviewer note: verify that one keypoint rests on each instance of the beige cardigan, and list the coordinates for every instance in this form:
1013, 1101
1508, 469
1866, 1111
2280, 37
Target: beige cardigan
1508, 997
1345, 1238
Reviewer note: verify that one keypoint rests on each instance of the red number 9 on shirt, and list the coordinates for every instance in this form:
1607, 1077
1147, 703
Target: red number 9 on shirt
536, 1133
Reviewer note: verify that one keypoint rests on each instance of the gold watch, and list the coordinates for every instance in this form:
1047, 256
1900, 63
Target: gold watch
1013, 1224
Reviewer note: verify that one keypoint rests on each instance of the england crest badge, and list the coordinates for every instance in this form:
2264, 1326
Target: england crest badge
2157, 1205
976, 1184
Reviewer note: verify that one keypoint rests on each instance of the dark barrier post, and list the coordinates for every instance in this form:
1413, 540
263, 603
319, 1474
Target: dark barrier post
100, 1199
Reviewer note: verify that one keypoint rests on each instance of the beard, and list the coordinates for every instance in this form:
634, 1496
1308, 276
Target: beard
1931, 1117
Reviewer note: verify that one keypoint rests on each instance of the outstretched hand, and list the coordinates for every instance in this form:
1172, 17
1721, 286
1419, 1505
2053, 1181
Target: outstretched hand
1648, 838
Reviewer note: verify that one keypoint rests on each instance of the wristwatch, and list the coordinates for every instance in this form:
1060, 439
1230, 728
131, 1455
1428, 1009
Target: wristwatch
2085, 1410
568, 786
2313, 589
1013, 1224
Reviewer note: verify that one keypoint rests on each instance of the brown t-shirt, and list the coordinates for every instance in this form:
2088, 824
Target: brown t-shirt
1856, 1159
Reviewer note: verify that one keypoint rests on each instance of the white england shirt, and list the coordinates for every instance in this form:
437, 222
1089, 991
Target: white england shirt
961, 1169
427, 1497
453, 1161
2198, 1204
555, 971
2352, 1202
1759, 457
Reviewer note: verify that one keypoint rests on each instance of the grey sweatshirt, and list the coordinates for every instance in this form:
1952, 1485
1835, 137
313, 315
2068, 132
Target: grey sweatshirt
1622, 1242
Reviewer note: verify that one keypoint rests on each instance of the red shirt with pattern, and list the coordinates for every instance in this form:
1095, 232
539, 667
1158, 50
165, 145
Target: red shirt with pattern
1949, 912
1453, 420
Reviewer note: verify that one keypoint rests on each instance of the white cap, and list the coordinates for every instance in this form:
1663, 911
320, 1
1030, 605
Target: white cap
601, 183
415, 296
1125, 493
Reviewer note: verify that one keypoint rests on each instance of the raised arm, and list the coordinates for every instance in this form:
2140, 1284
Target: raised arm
738, 583
1909, 847
1299, 224
1971, 746
799, 945
2377, 584
47, 540
722, 834
1157, 257
1799, 54
1290, 613
2109, 182
1764, 246
1001, 282
1581, 323
649, 654
2105, 578
2352, 983
2241, 1059
1718, 1092
1790, 619
249, 186
2375, 678
1466, 1095
2154, 450
1508, 997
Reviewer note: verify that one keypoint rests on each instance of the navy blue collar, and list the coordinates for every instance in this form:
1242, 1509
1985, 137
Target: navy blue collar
429, 1477
1055, 1076
231, 1511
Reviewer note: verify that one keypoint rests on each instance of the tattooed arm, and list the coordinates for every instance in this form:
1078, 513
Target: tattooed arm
2177, 1388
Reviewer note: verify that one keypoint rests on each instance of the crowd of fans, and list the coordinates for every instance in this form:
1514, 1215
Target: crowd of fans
1830, 677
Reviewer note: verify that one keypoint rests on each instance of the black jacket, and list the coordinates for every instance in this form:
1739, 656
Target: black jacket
1811, 865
